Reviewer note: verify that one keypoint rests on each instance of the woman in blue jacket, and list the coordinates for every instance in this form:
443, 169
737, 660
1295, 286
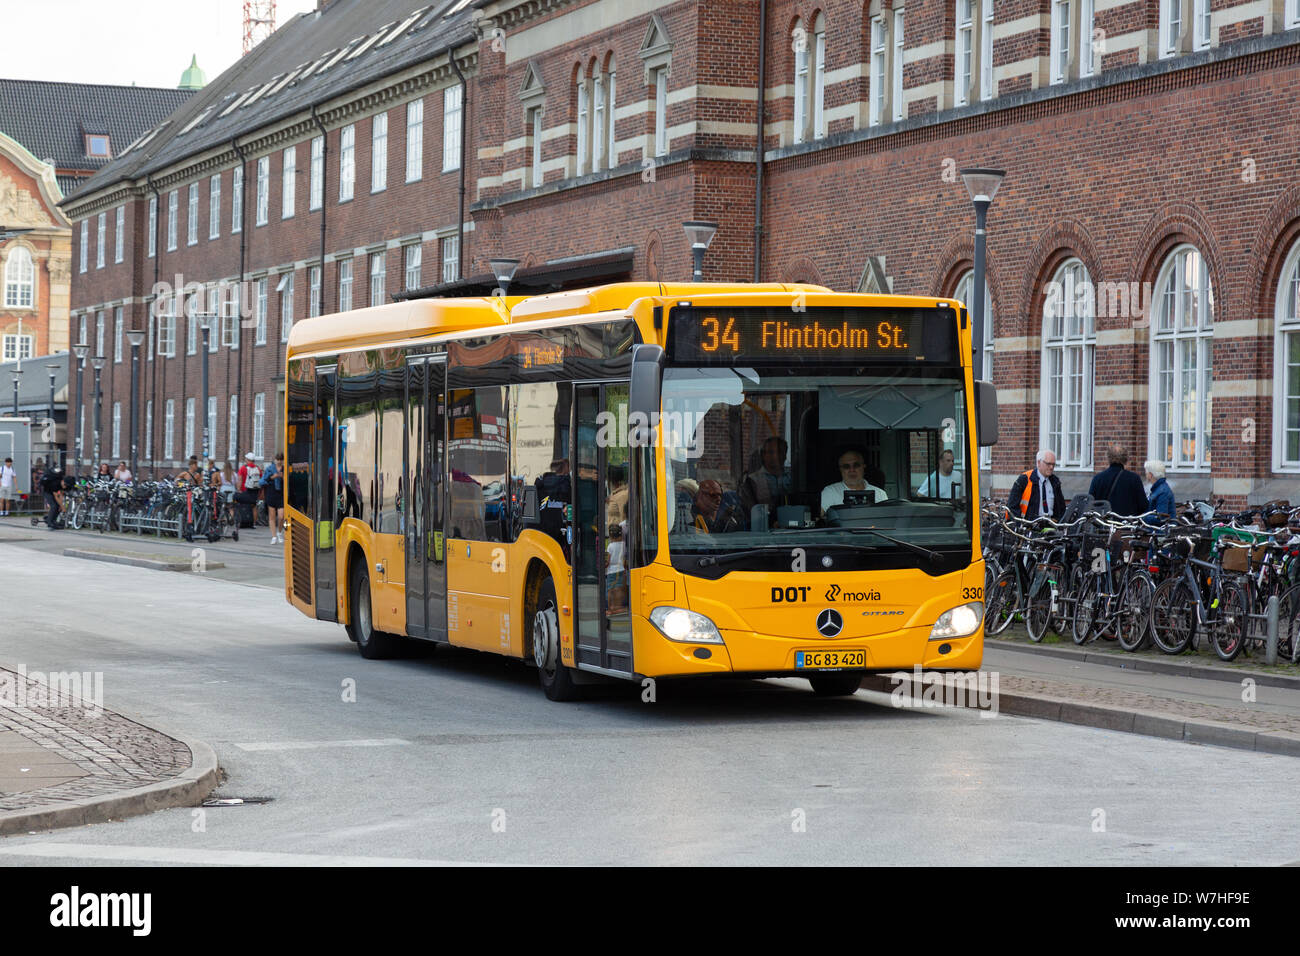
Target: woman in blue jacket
1161, 498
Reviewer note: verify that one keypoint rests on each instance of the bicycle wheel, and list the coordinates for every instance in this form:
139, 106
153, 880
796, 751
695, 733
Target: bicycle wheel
1132, 622
1003, 602
991, 571
1084, 620
1039, 616
1232, 620
1173, 616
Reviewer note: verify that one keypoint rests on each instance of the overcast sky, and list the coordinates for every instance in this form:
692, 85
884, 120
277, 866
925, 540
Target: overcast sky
146, 42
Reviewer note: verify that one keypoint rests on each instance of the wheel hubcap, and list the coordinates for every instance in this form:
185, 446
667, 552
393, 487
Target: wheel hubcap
544, 639
363, 617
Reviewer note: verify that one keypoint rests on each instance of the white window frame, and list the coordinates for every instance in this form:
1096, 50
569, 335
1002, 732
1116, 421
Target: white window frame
1059, 62
167, 328
232, 433
1069, 367
347, 162
259, 337
801, 78
345, 285
263, 191
986, 54
453, 114
285, 286
1169, 340
101, 238
211, 446
597, 122
18, 346
378, 277
661, 111
119, 233
214, 309
1286, 322
84, 255
450, 258
879, 68
153, 230
214, 207
288, 182
99, 334
147, 437
379, 152
172, 204
313, 295
583, 113
192, 214
413, 256
1171, 24
259, 424
1292, 17
117, 430
237, 199
964, 51
169, 430
1201, 25
117, 335
899, 107
414, 141
20, 279
819, 79
611, 147
230, 318
1087, 59
535, 142
317, 197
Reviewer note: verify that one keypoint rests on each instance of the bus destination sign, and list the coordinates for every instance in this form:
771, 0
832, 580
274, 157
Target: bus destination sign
781, 335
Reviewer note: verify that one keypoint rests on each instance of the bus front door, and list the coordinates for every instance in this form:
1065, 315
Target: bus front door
603, 626
325, 453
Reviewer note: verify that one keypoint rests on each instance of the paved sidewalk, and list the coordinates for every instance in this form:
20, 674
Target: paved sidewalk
67, 762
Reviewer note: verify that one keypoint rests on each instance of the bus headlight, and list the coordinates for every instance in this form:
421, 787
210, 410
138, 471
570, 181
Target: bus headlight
959, 622
679, 624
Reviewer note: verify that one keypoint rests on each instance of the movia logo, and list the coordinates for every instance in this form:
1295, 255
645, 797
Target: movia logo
833, 593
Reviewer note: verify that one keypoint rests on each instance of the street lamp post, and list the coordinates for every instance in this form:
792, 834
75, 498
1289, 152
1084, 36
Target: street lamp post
982, 184
80, 350
504, 270
699, 234
136, 338
54, 370
18, 374
97, 363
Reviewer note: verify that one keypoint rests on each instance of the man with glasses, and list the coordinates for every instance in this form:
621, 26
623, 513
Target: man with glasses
853, 477
1037, 493
711, 514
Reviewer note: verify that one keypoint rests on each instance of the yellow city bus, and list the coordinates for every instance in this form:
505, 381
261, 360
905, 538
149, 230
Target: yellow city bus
644, 480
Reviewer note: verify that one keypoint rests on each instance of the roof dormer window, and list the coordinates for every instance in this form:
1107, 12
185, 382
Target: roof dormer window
97, 146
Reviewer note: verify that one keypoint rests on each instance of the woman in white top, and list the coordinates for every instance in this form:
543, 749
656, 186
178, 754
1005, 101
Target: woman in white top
123, 473
8, 479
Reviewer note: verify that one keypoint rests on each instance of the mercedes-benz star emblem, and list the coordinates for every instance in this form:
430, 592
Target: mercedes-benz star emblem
829, 622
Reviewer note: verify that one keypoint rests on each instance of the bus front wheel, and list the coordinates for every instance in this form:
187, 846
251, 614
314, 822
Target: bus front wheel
835, 685
556, 679
373, 645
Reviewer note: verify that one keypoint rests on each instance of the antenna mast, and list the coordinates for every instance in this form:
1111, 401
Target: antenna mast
259, 22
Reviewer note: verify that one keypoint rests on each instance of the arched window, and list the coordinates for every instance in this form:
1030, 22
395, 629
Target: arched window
597, 120
1182, 335
985, 371
819, 78
611, 149
1286, 366
582, 121
800, 42
1069, 336
20, 280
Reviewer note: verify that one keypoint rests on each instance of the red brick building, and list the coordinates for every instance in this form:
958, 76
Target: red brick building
1143, 249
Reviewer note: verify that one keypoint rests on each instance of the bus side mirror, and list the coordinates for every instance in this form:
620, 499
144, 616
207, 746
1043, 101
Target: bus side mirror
643, 394
529, 509
986, 413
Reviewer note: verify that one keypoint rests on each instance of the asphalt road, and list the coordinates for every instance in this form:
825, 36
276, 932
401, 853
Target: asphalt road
454, 756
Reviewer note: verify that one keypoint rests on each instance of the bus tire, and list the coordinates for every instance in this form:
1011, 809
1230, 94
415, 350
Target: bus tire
374, 645
556, 679
835, 685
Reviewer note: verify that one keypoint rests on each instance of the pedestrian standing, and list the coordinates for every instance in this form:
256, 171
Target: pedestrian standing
8, 484
273, 489
1119, 486
1161, 500
123, 473
1037, 493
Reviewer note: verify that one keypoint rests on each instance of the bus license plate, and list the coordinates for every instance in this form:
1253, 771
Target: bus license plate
820, 659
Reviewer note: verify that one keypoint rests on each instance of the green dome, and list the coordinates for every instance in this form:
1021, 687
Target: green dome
193, 78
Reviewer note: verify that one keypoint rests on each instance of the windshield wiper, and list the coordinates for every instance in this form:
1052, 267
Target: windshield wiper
710, 560
936, 558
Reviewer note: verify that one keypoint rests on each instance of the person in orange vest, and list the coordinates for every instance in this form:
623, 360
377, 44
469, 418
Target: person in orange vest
1027, 497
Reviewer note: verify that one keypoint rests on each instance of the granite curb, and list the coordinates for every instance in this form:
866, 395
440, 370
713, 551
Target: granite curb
179, 564
1102, 717
186, 789
1153, 666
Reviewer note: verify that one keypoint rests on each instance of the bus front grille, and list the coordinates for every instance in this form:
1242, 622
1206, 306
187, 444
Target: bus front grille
300, 543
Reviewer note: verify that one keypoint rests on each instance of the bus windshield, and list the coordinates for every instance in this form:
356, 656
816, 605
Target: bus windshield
835, 467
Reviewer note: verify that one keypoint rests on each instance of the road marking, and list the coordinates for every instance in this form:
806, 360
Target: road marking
320, 744
169, 854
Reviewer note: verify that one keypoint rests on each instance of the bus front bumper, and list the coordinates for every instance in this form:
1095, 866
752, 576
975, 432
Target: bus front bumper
749, 652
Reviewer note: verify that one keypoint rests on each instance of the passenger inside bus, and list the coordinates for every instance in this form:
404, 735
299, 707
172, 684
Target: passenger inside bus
715, 511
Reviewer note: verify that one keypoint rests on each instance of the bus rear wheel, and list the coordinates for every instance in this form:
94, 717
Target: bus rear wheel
556, 679
373, 645
835, 685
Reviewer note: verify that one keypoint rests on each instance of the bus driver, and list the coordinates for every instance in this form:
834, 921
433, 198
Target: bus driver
853, 475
